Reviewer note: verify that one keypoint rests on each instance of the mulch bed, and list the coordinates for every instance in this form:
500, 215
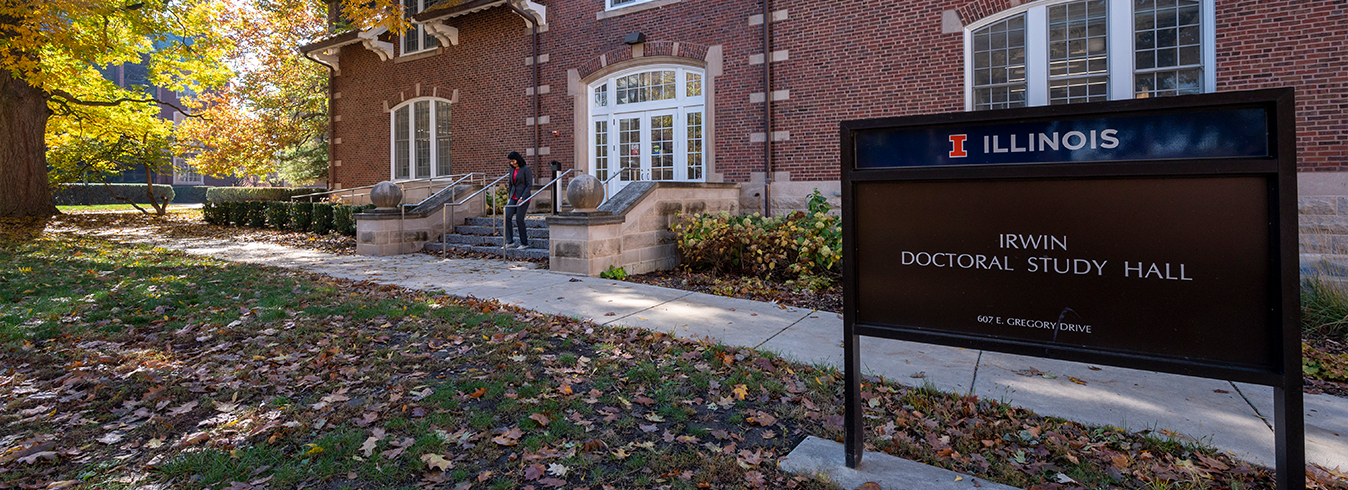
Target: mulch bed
752, 288
1319, 386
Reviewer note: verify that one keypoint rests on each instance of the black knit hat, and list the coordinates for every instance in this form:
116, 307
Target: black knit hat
515, 155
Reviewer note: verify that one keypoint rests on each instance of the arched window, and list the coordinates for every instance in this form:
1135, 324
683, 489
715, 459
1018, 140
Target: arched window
649, 119
419, 139
1068, 51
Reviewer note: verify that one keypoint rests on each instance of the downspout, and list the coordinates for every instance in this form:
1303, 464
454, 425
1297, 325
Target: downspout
332, 178
767, 107
533, 27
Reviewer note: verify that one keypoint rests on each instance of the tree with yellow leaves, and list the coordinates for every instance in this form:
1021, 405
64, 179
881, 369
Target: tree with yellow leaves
50, 51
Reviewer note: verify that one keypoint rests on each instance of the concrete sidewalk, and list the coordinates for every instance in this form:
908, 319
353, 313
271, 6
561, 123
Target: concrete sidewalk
1235, 417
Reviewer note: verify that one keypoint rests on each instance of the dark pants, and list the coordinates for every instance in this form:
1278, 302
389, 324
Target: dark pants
518, 213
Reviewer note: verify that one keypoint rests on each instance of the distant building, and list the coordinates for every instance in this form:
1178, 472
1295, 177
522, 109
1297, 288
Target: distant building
131, 75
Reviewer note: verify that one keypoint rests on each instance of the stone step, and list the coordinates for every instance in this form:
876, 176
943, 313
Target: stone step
528, 253
530, 222
498, 231
488, 240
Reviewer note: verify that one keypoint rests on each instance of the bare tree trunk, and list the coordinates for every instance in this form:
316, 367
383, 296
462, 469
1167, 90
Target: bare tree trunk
149, 192
23, 149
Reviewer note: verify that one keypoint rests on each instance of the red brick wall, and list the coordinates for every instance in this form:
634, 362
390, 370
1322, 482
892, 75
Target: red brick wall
1296, 43
488, 121
848, 60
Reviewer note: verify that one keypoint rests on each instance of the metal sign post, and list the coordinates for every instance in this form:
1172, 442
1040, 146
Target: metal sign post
1148, 234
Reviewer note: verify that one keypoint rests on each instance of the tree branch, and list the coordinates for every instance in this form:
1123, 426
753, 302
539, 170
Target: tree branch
68, 98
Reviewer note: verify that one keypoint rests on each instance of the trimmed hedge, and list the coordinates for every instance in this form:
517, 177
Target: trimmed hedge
301, 215
89, 194
237, 194
189, 194
322, 218
318, 217
278, 215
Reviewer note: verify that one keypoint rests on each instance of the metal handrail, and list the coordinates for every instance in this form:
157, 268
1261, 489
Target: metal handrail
454, 206
451, 185
540, 190
345, 191
614, 176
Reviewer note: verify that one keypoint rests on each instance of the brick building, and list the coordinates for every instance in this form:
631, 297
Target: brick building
676, 88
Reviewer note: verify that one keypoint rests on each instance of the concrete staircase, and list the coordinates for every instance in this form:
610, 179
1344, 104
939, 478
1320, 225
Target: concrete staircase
485, 235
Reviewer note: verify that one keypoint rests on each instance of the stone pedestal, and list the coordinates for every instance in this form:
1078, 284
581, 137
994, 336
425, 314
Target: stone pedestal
387, 233
585, 242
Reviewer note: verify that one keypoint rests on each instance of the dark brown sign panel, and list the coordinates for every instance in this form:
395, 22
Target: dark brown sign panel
1092, 264
1149, 234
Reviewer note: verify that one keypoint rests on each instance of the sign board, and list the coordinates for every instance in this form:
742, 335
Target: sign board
1148, 234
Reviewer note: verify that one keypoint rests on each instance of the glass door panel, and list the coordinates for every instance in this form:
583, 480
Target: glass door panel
662, 145
629, 147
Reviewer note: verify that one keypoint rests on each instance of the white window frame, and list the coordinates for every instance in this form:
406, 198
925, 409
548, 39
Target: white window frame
681, 105
411, 138
184, 174
420, 31
608, 4
1121, 49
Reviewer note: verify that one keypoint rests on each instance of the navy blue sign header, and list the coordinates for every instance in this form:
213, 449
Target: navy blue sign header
1237, 133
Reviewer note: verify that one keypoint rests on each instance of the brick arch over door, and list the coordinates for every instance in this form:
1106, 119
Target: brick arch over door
977, 10
692, 54
412, 91
705, 58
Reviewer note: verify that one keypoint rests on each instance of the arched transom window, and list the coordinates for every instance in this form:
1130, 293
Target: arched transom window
1069, 51
419, 139
649, 120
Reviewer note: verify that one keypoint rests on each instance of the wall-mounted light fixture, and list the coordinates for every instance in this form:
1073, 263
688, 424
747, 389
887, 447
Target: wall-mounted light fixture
634, 38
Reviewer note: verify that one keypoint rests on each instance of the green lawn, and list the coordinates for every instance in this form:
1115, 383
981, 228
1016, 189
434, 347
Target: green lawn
125, 365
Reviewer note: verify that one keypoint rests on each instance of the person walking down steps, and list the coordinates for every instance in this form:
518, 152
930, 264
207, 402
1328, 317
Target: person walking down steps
521, 182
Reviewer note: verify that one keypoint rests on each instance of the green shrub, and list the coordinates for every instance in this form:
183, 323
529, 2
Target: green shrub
189, 194
257, 214
342, 220
301, 216
238, 213
235, 194
89, 194
798, 245
618, 273
322, 223
214, 213
278, 214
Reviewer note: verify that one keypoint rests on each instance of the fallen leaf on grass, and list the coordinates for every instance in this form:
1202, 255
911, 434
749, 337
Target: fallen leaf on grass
553, 482
741, 391
437, 462
510, 438
557, 469
763, 419
478, 393
32, 458
534, 472
111, 438
541, 419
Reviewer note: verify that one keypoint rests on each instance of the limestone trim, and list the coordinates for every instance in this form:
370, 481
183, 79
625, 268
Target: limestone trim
632, 9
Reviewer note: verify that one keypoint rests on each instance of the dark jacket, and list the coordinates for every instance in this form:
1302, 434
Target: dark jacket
521, 186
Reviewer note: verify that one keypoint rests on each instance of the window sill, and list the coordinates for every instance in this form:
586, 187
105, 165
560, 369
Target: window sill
631, 9
418, 55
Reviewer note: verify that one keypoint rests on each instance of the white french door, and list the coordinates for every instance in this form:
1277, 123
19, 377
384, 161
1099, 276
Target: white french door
647, 142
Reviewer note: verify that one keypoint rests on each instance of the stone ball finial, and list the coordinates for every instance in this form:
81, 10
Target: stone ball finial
386, 195
585, 193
